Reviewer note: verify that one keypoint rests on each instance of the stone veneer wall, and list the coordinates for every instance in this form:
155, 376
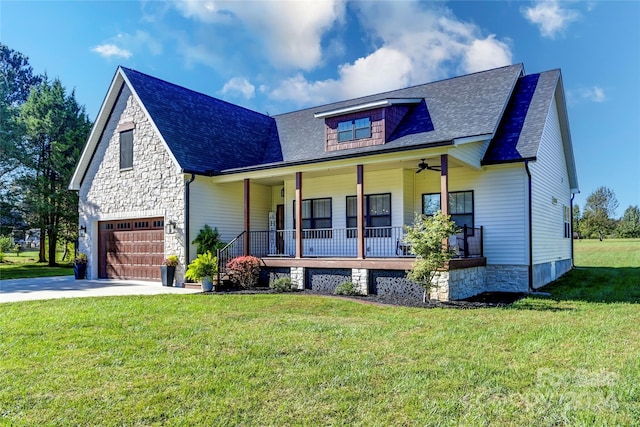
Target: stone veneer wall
153, 187
297, 277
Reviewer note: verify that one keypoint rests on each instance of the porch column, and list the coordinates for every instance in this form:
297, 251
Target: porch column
247, 216
444, 190
360, 210
298, 208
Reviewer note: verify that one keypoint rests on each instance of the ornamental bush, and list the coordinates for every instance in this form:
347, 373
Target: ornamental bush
426, 238
282, 284
346, 288
244, 271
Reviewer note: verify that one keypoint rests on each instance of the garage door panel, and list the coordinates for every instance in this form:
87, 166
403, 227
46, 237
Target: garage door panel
131, 249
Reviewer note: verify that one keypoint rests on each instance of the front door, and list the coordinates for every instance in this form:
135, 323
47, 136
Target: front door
279, 229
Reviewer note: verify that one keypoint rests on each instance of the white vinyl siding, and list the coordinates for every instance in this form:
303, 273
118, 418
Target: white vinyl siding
338, 187
470, 153
219, 205
550, 190
499, 194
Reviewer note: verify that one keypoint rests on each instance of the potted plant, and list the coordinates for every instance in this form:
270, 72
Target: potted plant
80, 266
168, 270
203, 268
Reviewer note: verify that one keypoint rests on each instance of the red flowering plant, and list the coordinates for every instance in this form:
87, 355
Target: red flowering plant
244, 271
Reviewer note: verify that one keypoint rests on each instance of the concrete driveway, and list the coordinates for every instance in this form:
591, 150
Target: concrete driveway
67, 287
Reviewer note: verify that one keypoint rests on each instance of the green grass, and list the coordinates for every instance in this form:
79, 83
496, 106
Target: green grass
26, 265
291, 359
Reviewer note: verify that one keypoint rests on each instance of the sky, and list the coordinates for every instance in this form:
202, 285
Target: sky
277, 56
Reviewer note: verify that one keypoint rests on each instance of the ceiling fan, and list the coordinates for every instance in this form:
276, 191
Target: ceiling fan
424, 165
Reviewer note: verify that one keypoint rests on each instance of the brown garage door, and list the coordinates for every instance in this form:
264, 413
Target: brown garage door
131, 249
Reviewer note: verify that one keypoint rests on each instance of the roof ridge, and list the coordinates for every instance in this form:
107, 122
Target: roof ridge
380, 94
126, 69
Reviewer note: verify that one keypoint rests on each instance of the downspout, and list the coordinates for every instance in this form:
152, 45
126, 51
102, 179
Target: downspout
186, 218
526, 167
571, 231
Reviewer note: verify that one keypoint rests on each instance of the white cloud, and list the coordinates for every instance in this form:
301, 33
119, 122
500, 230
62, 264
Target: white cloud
290, 33
550, 17
415, 45
594, 94
139, 41
110, 50
240, 85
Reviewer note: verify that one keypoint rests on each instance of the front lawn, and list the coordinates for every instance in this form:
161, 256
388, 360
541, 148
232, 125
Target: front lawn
26, 265
287, 359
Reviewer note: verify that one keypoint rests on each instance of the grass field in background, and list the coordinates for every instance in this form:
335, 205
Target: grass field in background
291, 359
26, 265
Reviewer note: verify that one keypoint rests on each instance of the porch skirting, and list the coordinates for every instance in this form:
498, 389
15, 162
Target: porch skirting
463, 278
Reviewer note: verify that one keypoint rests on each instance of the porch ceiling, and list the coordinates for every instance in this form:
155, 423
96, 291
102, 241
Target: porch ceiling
317, 170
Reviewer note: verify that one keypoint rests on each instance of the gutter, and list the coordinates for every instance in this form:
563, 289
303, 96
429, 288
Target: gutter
526, 168
187, 240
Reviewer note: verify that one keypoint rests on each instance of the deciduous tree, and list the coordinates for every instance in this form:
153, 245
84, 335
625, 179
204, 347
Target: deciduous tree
598, 213
629, 225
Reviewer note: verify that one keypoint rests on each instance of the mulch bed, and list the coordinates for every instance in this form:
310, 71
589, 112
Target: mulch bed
484, 300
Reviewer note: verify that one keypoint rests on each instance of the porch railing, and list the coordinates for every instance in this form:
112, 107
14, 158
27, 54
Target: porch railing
379, 242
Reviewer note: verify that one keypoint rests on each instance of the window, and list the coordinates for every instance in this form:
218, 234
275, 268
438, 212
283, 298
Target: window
377, 213
567, 222
354, 129
126, 149
460, 206
316, 215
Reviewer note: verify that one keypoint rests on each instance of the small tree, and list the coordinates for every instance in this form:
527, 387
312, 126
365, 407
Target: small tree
425, 239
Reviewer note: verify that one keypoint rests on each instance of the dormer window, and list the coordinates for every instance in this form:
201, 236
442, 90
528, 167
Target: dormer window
354, 129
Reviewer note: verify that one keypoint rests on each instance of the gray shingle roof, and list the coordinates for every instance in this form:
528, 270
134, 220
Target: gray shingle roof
205, 134
209, 136
460, 107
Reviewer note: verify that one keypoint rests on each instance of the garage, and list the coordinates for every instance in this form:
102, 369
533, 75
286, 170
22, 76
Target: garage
131, 249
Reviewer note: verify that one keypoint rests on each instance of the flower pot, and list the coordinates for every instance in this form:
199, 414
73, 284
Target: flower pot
79, 271
168, 273
207, 284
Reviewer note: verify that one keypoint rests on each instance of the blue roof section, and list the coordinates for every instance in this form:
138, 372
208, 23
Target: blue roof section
417, 120
506, 146
206, 135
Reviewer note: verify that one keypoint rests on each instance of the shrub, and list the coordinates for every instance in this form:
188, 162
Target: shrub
6, 244
346, 288
244, 271
283, 284
208, 240
205, 265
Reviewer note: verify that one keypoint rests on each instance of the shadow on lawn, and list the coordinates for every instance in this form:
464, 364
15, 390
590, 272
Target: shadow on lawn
596, 284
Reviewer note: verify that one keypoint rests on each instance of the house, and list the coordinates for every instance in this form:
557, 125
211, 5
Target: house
162, 161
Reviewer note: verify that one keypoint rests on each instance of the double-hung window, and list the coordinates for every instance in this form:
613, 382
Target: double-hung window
460, 206
354, 129
126, 149
316, 218
377, 215
567, 222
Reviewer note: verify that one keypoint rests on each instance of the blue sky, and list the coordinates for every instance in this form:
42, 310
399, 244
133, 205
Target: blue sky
275, 57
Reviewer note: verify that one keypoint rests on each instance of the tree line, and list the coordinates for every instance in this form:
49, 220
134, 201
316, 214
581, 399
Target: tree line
597, 220
42, 131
